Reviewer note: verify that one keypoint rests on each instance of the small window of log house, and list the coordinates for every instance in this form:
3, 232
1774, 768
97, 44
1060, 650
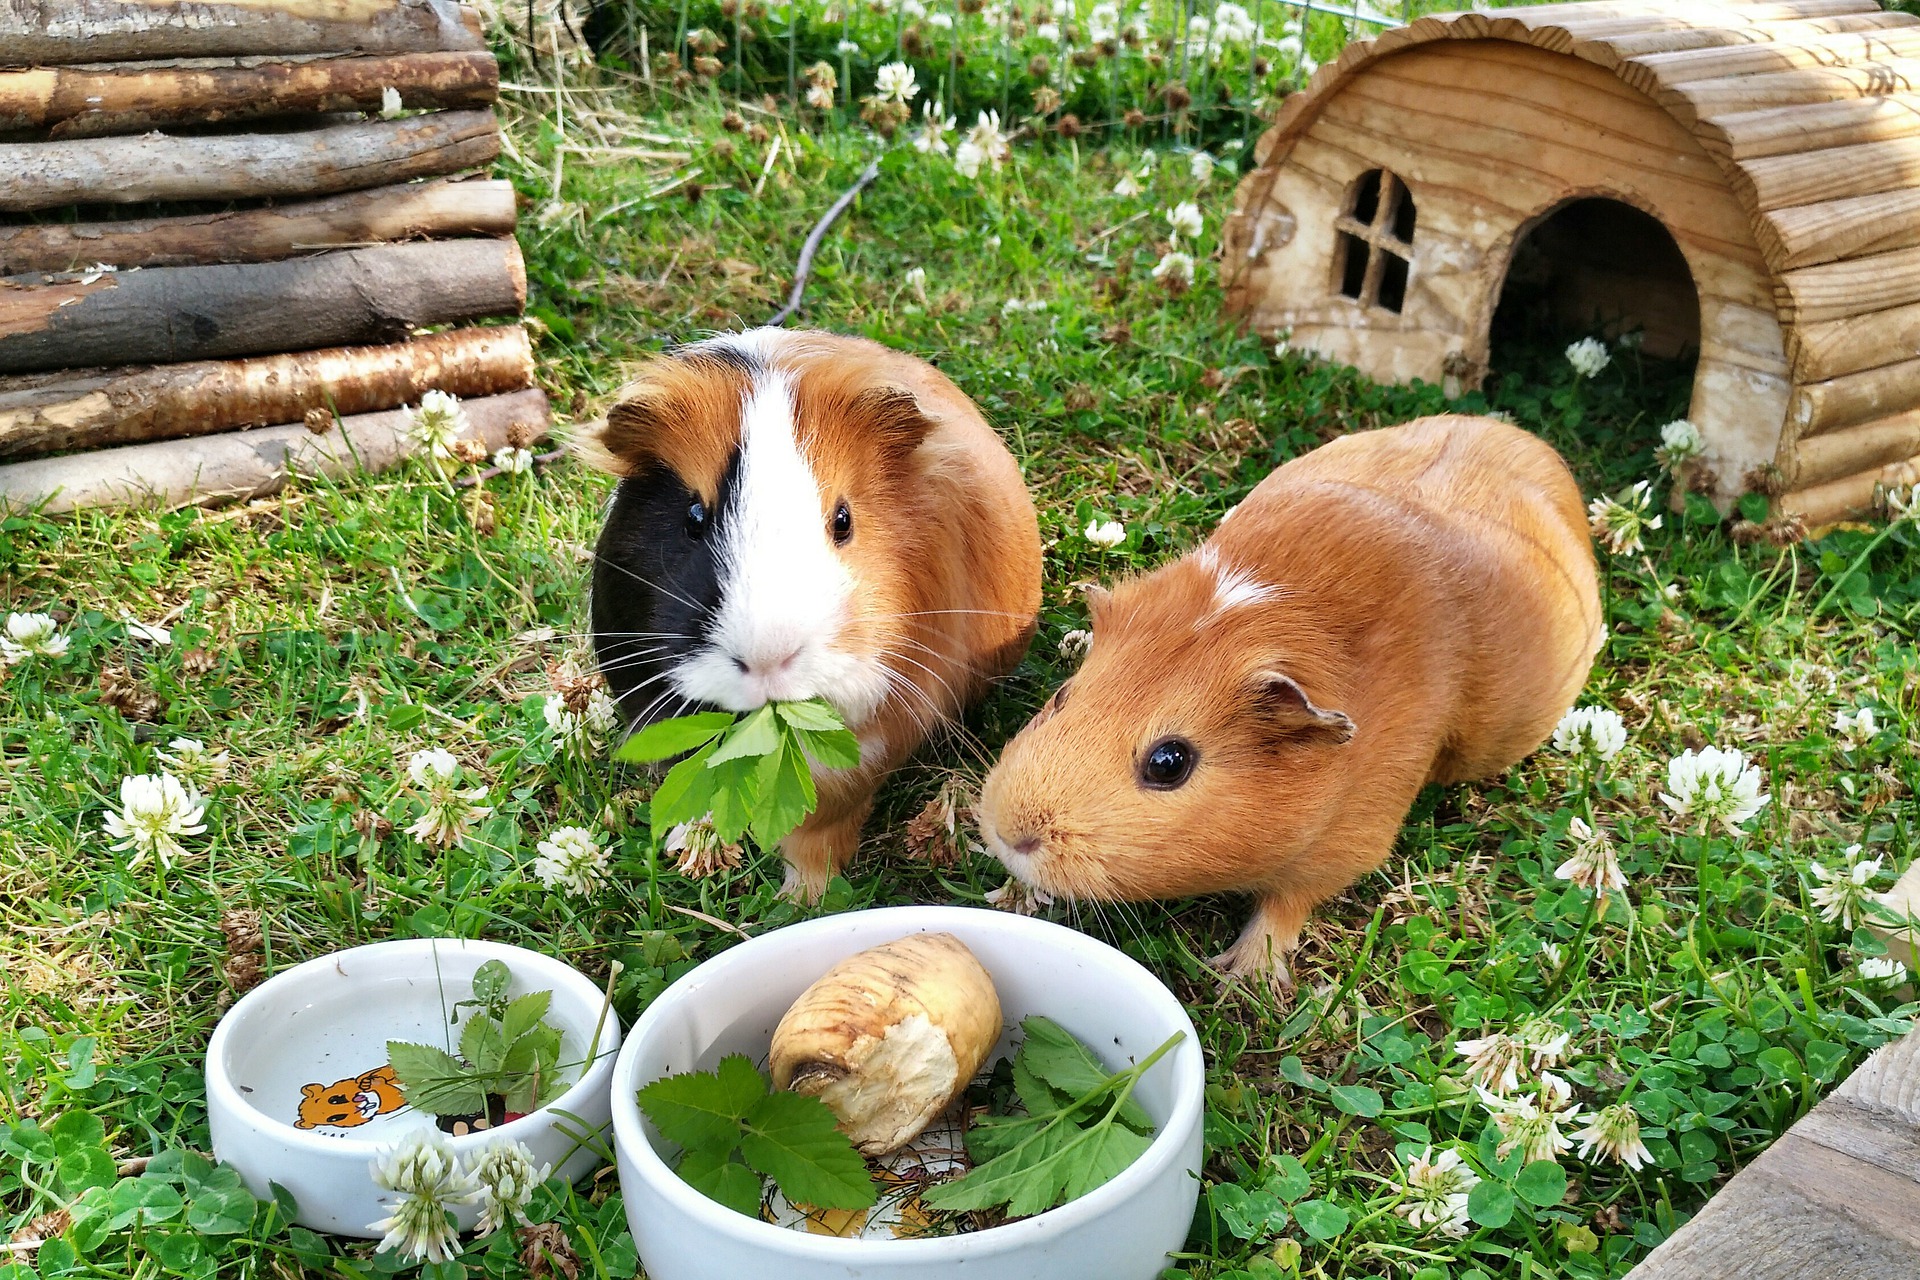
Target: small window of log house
1376, 242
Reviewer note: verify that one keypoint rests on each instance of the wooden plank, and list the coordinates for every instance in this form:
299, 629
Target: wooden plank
1899, 39
1835, 348
1705, 99
1820, 458
1810, 234
89, 102
1855, 286
1836, 1197
346, 157
170, 314
1780, 182
436, 210
238, 465
1775, 131
1855, 398
1849, 498
1750, 32
93, 408
51, 32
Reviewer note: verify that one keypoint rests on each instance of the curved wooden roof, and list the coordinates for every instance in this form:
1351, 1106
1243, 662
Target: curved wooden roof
1811, 107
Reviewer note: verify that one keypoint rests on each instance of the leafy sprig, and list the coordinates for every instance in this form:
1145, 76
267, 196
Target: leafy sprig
732, 1130
751, 773
506, 1049
1081, 1129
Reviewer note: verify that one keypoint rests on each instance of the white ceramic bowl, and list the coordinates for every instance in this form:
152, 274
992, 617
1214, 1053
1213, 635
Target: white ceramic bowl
326, 1022
1123, 1230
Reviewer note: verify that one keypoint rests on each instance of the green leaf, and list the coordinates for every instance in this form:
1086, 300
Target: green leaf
685, 794
144, 1200
786, 793
482, 1045
1056, 1056
718, 1176
407, 715
1543, 1183
665, 739
1250, 1215
756, 736
1036, 1095
222, 1207
1357, 1100
434, 1080
704, 1109
1321, 1219
83, 1167
796, 1141
838, 749
1101, 1155
1028, 1177
490, 981
1490, 1204
736, 793
995, 1135
1292, 1180
523, 1014
815, 715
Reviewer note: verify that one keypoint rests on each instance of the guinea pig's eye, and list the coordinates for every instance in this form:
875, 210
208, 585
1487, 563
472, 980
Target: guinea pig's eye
842, 524
1168, 764
697, 519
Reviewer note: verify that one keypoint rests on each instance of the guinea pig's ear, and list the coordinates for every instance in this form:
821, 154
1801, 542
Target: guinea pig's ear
892, 416
1098, 599
628, 439
1286, 707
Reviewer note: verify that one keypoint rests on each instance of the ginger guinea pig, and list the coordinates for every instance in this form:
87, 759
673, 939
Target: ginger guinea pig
1411, 605
802, 515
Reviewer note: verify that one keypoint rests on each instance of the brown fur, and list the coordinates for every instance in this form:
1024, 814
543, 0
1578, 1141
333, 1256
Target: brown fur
946, 545
1436, 612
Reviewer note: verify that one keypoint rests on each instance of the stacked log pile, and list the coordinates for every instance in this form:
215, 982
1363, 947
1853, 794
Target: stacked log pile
314, 247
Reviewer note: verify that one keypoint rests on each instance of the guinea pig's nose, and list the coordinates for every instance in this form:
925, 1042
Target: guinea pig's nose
762, 667
1027, 846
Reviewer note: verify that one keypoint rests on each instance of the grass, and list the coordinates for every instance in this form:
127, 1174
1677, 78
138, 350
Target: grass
321, 636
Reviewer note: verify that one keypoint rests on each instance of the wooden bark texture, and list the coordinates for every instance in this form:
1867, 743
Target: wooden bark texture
1778, 142
224, 167
89, 102
237, 465
411, 211
169, 314
52, 32
94, 408
1837, 1197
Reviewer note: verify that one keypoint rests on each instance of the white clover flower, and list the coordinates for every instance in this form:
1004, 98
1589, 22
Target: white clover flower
390, 103
895, 83
1174, 270
426, 1174
1716, 785
437, 424
1615, 1133
916, 280
1594, 865
1545, 1041
1855, 729
1075, 644
572, 860
512, 461
1021, 899
1882, 970
1900, 503
1680, 441
1016, 306
846, 48
967, 159
1103, 22
942, 20
31, 635
912, 10
820, 97
1184, 218
148, 632
1596, 731
698, 851
984, 144
1531, 1125
507, 1176
1109, 534
189, 759
1620, 523
1435, 1190
1128, 186
1551, 953
1493, 1062
931, 138
1588, 357
1200, 168
1048, 31
451, 812
155, 809
588, 728
1844, 893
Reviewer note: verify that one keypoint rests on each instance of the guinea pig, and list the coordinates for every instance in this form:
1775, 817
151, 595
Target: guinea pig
802, 515
1410, 605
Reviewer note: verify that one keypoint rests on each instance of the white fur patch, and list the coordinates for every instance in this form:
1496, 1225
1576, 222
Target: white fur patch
785, 593
1232, 587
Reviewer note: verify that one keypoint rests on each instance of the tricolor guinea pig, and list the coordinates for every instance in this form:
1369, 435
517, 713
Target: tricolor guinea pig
1411, 605
802, 515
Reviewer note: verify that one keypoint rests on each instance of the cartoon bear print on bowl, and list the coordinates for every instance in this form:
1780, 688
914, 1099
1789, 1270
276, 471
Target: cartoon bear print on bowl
345, 1104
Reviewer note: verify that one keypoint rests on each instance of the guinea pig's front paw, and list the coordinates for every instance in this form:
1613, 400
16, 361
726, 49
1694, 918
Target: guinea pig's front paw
1256, 962
802, 886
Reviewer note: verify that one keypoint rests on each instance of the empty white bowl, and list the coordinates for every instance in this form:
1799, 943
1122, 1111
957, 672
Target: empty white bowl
1123, 1230
287, 1104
